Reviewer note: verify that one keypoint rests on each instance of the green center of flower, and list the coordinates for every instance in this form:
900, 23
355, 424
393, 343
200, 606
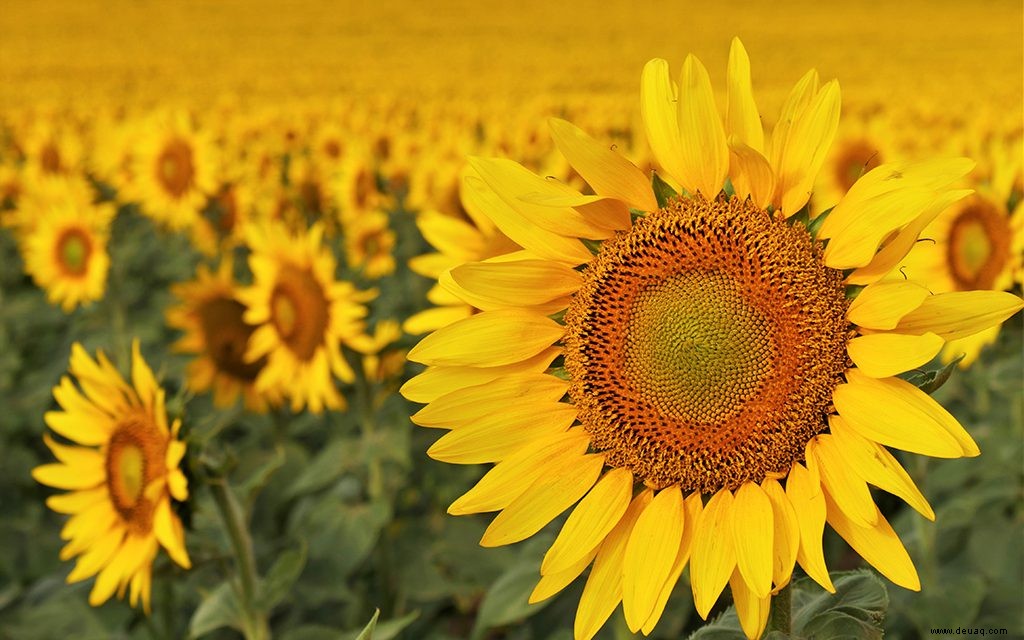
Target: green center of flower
695, 347
979, 245
704, 345
135, 456
73, 249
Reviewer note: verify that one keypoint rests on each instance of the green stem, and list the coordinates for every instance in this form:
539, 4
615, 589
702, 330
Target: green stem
782, 611
255, 627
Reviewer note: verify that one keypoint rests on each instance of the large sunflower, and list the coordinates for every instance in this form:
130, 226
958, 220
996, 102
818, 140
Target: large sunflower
215, 332
120, 477
722, 389
302, 315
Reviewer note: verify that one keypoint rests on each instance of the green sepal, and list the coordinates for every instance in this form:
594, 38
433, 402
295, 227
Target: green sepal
814, 226
930, 381
636, 213
663, 191
728, 188
853, 290
593, 245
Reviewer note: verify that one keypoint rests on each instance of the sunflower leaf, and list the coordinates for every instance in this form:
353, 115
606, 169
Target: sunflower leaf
220, 608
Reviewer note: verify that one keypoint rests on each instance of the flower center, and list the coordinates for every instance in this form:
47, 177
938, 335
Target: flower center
175, 169
49, 158
299, 311
704, 345
227, 337
73, 251
979, 245
135, 457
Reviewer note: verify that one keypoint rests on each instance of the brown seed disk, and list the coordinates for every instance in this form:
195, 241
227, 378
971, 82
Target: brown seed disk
705, 343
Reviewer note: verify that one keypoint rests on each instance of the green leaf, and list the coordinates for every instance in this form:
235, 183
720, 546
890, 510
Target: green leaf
367, 632
259, 478
279, 580
390, 629
856, 610
323, 469
220, 608
663, 191
724, 627
507, 600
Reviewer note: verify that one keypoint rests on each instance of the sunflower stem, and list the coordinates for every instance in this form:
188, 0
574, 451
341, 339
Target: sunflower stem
255, 626
782, 611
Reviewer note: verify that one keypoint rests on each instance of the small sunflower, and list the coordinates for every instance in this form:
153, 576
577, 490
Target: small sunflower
302, 315
66, 252
369, 242
175, 172
121, 475
718, 397
215, 332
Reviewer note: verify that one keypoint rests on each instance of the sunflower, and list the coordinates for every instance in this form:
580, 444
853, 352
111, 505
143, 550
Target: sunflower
215, 332
721, 389
369, 242
302, 315
175, 171
120, 478
978, 243
65, 251
862, 144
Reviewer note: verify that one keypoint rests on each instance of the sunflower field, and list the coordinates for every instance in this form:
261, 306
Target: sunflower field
511, 321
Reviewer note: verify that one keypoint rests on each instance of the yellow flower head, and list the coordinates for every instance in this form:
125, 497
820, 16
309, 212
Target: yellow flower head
302, 315
721, 390
215, 332
66, 252
369, 242
120, 476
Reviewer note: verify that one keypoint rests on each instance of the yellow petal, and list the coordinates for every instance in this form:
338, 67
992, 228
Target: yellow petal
843, 484
85, 458
499, 435
650, 553
896, 249
552, 583
542, 502
714, 555
96, 557
742, 119
455, 239
658, 110
751, 609
883, 304
751, 174
879, 545
142, 377
62, 476
872, 462
119, 570
881, 355
519, 228
786, 528
170, 533
803, 489
512, 392
959, 314
592, 519
797, 102
511, 182
435, 382
491, 338
432, 319
521, 283
513, 475
807, 143
704, 148
607, 172
692, 508
895, 413
753, 527
603, 590
77, 500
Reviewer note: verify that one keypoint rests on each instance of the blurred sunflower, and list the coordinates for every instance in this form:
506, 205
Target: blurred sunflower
65, 252
120, 475
709, 349
215, 332
861, 145
369, 242
975, 244
302, 315
175, 171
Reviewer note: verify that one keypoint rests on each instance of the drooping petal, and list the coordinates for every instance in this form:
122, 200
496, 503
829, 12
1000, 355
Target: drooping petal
842, 482
714, 554
883, 304
542, 502
803, 489
650, 552
592, 519
753, 533
692, 508
807, 143
786, 533
552, 583
170, 533
607, 172
751, 609
878, 544
704, 147
881, 355
895, 413
751, 174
